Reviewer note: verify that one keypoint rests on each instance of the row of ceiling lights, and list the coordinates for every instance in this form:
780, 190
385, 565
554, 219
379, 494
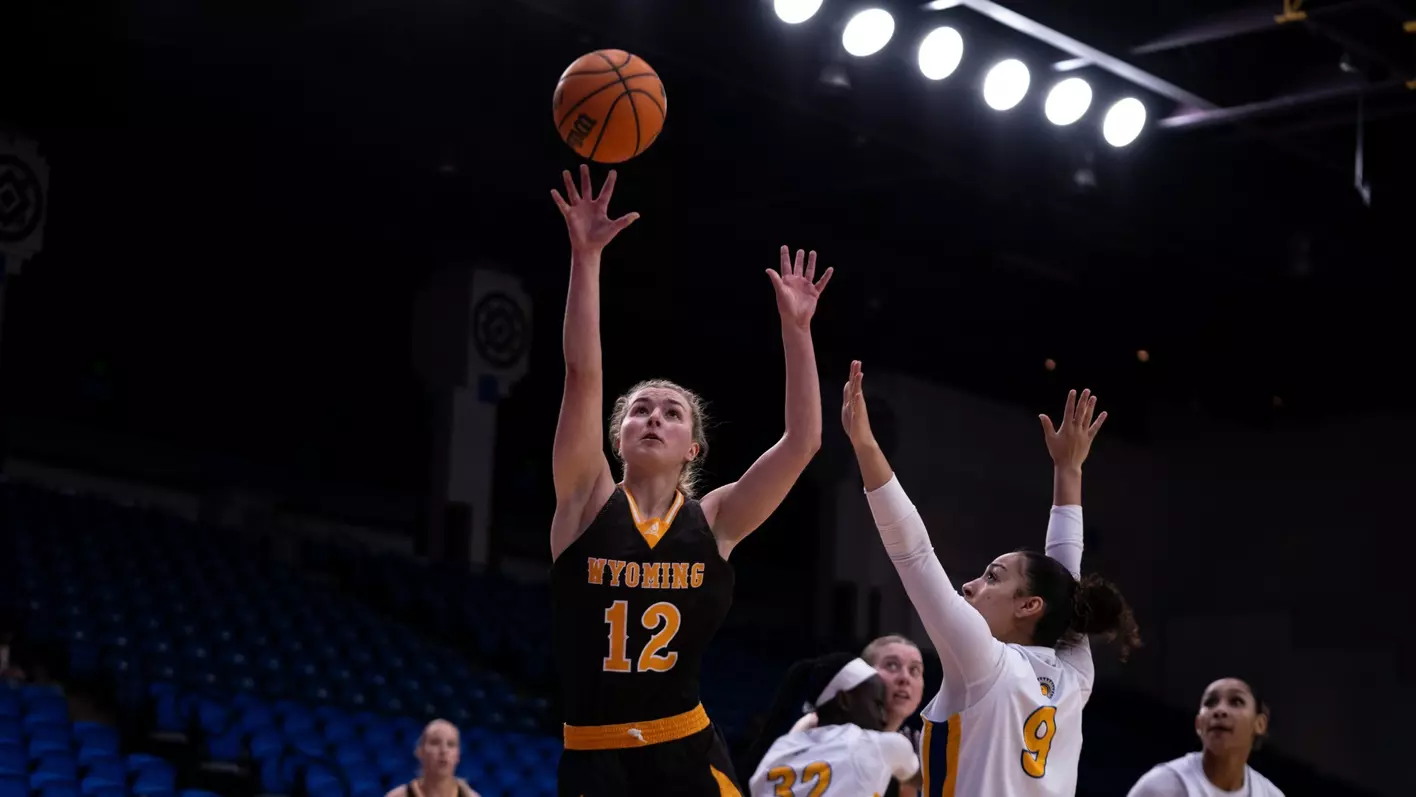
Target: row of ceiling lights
1004, 86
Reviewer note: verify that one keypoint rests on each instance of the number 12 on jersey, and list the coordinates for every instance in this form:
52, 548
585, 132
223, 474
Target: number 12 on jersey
662, 618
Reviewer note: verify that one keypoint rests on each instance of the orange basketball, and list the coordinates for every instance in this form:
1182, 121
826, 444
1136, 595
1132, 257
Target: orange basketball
609, 106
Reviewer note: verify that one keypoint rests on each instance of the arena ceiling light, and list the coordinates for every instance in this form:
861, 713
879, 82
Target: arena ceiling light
940, 53
1006, 84
1068, 101
868, 32
794, 12
1124, 122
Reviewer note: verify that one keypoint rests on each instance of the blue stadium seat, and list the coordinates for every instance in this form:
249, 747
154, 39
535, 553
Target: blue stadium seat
151, 774
109, 768
58, 789
13, 760
60, 764
13, 785
39, 781
96, 736
96, 785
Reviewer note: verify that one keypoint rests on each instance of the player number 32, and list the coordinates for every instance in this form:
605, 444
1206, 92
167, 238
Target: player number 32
662, 618
784, 779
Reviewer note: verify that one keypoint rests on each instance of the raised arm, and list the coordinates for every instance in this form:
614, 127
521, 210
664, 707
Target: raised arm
578, 462
971, 658
1069, 444
736, 510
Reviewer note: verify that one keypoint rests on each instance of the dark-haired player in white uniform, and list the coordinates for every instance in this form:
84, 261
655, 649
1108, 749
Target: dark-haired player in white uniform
1007, 721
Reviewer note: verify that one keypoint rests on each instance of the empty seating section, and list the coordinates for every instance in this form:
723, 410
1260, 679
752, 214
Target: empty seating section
201, 635
42, 753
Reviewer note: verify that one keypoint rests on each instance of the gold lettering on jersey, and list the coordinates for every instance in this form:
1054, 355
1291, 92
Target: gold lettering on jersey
616, 567
646, 575
597, 571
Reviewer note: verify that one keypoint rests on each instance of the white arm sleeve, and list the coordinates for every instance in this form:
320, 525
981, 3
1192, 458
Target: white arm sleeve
1064, 543
1161, 781
899, 755
971, 658
806, 723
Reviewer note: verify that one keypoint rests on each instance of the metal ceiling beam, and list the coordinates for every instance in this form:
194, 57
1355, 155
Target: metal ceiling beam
1077, 49
1276, 105
1236, 23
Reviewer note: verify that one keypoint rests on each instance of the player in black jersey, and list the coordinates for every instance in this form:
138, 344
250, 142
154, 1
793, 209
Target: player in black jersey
640, 578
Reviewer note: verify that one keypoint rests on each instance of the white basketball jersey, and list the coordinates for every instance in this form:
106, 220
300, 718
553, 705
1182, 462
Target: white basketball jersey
843, 759
1023, 739
1191, 771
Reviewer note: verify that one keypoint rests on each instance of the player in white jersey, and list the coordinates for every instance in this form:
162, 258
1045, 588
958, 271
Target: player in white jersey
1007, 721
1232, 723
846, 752
901, 666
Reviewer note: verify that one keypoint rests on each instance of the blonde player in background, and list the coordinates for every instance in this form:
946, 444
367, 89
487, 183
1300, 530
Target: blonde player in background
438, 752
846, 752
1232, 723
1007, 721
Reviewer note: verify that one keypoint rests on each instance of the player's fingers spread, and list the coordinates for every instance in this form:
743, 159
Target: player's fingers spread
1082, 403
560, 203
625, 220
585, 187
1096, 427
786, 265
825, 278
811, 266
570, 193
608, 189
1071, 408
797, 264
1047, 428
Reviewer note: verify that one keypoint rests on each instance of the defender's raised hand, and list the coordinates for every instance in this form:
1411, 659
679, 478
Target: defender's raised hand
854, 417
797, 287
1070, 441
587, 217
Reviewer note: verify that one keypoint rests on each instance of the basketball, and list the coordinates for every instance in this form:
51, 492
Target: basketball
609, 106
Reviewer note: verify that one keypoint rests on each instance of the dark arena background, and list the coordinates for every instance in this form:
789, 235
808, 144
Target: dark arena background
281, 363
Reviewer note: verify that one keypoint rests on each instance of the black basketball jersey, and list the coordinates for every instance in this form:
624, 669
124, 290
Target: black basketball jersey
636, 601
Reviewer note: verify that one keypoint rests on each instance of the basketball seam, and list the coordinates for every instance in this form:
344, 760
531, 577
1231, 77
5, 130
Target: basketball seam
583, 100
606, 126
605, 71
638, 137
586, 72
651, 99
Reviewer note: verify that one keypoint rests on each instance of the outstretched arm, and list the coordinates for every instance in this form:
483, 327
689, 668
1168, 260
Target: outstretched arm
579, 467
736, 510
1069, 444
971, 658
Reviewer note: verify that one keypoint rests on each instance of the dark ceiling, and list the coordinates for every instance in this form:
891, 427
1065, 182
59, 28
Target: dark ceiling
246, 193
